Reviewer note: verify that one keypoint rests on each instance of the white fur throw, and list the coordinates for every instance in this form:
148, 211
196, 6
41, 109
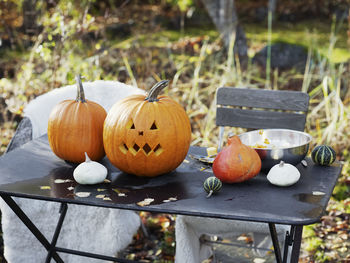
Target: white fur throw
189, 229
105, 93
90, 229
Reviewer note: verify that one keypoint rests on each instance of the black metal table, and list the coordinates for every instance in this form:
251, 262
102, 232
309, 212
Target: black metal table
25, 169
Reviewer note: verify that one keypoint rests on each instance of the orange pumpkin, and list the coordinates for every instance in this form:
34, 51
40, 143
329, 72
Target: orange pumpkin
76, 127
236, 162
147, 136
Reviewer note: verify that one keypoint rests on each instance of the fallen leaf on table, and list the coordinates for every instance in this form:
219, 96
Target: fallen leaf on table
119, 192
106, 181
145, 202
70, 188
100, 196
62, 181
82, 194
170, 199
45, 187
318, 193
107, 199
100, 190
186, 161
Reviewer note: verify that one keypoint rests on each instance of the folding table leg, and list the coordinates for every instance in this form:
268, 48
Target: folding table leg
36, 232
288, 241
276, 245
298, 232
63, 211
293, 238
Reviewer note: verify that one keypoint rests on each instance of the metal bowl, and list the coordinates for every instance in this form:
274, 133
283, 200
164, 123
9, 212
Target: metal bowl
274, 145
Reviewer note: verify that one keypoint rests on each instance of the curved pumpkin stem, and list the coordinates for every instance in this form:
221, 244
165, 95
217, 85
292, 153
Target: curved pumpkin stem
87, 158
210, 193
156, 89
80, 89
234, 139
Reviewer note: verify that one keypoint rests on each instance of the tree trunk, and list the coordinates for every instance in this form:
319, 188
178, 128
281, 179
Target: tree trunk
272, 7
224, 15
30, 14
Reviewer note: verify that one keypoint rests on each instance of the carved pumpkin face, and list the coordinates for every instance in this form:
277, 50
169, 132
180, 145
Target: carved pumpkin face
135, 141
145, 137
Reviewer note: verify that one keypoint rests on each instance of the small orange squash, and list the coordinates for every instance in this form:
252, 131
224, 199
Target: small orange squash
236, 162
76, 127
147, 136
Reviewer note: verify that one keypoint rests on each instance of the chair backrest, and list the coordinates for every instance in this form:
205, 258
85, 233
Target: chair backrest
261, 109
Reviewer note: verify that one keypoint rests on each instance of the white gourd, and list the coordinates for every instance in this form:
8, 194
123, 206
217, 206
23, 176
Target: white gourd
90, 172
283, 174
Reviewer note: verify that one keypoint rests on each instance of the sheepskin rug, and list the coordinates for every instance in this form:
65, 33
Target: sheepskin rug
189, 229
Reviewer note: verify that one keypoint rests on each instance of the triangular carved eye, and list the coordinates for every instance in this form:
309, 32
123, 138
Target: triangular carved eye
130, 125
154, 126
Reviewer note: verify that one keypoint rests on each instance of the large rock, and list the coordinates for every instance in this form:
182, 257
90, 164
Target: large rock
283, 56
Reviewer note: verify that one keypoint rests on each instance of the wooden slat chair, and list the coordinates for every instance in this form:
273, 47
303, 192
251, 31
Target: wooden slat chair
251, 109
92, 229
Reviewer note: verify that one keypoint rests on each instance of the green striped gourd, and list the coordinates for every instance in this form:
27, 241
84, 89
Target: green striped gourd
323, 155
212, 185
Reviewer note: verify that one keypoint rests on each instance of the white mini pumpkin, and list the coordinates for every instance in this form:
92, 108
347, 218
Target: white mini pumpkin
90, 172
283, 174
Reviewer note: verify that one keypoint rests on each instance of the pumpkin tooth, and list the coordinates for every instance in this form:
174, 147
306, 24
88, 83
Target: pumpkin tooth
158, 150
147, 149
135, 148
123, 148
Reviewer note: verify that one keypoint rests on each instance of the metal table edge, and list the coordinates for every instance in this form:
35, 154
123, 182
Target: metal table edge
132, 207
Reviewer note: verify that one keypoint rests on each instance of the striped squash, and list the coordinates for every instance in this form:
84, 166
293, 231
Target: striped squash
212, 185
323, 155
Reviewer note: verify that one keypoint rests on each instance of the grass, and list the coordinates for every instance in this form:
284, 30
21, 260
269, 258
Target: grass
310, 34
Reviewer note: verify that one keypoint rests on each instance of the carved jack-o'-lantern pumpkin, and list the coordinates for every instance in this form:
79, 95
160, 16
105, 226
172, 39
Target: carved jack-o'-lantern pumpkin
147, 136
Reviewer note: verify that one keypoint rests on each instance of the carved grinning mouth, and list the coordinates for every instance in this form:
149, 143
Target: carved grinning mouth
146, 149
